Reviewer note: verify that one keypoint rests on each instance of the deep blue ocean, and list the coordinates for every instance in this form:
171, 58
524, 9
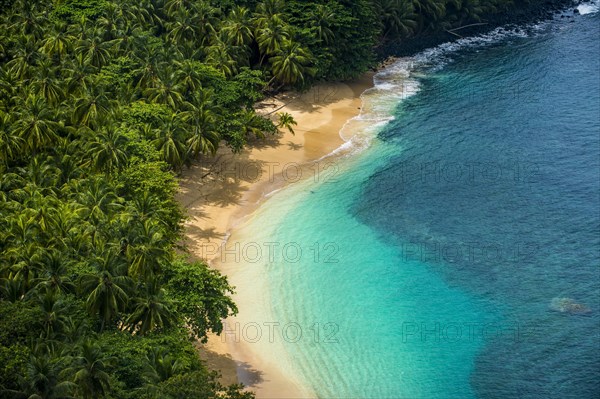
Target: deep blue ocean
460, 252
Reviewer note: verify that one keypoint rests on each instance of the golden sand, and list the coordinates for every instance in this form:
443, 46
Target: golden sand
219, 191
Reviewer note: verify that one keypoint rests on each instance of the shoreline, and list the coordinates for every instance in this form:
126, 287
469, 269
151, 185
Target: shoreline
524, 14
219, 193
223, 192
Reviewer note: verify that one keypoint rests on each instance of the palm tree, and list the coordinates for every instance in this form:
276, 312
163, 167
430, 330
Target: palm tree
151, 309
53, 274
188, 75
144, 206
398, 17
69, 168
25, 264
238, 27
291, 64
9, 84
128, 38
202, 120
107, 288
271, 37
65, 221
205, 16
147, 249
9, 183
11, 289
94, 50
99, 200
24, 55
10, 144
53, 313
29, 19
323, 18
41, 175
90, 370
267, 11
36, 124
3, 39
160, 366
286, 121
81, 28
166, 90
429, 12
172, 7
22, 230
224, 57
112, 19
252, 124
46, 85
147, 75
79, 77
92, 105
43, 379
183, 28
142, 13
58, 42
73, 329
170, 139
106, 150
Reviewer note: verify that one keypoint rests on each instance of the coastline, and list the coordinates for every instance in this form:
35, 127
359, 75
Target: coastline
526, 13
321, 114
221, 191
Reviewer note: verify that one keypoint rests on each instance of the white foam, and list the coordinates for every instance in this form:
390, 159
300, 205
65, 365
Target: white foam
437, 57
589, 8
399, 81
390, 86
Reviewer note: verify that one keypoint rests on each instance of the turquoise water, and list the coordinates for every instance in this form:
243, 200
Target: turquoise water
375, 299
433, 261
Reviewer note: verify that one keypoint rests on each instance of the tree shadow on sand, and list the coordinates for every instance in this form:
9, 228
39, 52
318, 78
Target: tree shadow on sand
294, 146
218, 181
207, 235
248, 375
269, 141
232, 371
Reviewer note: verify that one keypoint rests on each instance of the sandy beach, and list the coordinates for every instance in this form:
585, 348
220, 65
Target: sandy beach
219, 192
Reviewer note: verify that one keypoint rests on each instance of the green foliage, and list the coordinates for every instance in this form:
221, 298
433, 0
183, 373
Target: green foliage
120, 72
200, 385
189, 385
340, 34
141, 113
72, 10
153, 177
131, 353
13, 361
249, 84
201, 295
18, 322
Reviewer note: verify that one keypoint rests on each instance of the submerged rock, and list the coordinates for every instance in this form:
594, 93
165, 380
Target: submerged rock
568, 305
